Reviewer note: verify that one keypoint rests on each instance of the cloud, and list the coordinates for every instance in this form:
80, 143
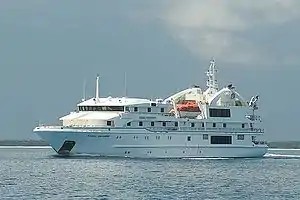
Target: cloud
222, 28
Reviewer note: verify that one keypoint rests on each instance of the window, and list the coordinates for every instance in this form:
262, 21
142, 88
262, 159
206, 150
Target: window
152, 123
189, 138
243, 125
214, 124
202, 125
215, 112
169, 137
192, 124
162, 110
146, 137
240, 137
224, 125
127, 108
176, 123
135, 109
205, 136
108, 123
135, 137
164, 123
140, 123
149, 109
153, 104
129, 124
101, 108
157, 137
221, 140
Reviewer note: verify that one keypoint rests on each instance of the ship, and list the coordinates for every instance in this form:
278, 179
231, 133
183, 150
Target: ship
192, 123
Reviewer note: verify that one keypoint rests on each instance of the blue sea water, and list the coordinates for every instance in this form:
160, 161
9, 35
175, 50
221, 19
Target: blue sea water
38, 174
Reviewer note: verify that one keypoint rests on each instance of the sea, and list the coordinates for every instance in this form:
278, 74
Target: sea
37, 173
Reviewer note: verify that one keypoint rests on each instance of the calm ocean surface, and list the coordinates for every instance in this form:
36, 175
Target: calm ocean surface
38, 174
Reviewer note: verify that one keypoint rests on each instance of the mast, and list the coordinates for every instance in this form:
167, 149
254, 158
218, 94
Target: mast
125, 84
97, 88
84, 89
212, 82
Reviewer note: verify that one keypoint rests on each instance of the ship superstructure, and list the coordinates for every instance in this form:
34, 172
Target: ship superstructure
190, 123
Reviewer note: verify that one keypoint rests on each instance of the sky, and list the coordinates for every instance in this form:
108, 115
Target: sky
49, 48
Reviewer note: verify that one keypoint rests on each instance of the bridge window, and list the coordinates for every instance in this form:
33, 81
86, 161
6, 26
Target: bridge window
153, 104
101, 108
221, 140
216, 112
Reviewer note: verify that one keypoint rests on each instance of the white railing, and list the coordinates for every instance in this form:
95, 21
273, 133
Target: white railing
162, 129
254, 117
226, 130
261, 142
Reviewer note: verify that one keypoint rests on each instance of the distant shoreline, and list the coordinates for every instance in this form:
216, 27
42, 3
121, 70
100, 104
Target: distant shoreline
23, 143
272, 145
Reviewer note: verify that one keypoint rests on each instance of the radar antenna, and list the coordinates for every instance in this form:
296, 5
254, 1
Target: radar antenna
212, 82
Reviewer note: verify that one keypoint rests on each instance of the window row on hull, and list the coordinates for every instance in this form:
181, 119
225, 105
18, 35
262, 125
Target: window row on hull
213, 139
175, 124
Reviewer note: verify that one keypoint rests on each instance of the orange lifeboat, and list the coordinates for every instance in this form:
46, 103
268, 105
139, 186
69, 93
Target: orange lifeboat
188, 106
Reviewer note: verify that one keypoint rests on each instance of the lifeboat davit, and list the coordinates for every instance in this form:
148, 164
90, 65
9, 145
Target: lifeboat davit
188, 106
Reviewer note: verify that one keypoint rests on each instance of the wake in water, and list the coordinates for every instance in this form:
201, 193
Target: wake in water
281, 156
25, 147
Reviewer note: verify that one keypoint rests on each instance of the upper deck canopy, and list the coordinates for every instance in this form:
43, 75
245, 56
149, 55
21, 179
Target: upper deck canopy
110, 101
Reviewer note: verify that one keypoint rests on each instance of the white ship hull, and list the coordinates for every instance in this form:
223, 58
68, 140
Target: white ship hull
140, 143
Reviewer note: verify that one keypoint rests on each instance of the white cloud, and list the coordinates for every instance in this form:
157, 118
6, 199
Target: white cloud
219, 27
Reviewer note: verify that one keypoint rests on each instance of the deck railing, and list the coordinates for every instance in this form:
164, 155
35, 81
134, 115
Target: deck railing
162, 129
